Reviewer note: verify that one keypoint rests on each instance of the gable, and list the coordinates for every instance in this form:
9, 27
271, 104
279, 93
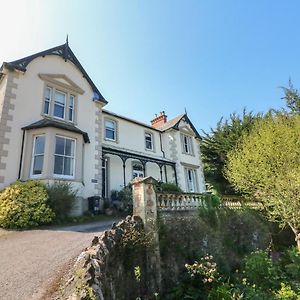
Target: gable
63, 51
63, 81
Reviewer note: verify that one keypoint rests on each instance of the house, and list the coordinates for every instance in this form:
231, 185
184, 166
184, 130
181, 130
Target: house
53, 126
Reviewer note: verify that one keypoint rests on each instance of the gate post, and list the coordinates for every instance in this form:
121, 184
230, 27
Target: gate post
145, 206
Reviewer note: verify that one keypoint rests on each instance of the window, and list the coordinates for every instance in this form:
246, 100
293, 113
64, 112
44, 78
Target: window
59, 104
148, 141
137, 170
71, 108
191, 180
110, 130
38, 155
64, 157
187, 144
47, 100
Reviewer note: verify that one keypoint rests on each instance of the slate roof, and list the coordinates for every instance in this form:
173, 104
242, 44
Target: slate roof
173, 123
56, 124
63, 51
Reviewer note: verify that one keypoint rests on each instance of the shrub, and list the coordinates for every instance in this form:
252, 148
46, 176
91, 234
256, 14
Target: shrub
286, 293
24, 205
61, 199
168, 187
260, 271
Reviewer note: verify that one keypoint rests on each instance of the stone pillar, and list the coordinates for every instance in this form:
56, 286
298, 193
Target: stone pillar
145, 206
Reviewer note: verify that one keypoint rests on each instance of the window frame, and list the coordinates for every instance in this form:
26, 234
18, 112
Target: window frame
187, 144
62, 176
115, 130
68, 95
152, 141
194, 180
33, 156
55, 103
140, 172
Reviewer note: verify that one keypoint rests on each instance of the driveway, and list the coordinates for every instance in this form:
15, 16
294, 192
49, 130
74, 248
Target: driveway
32, 261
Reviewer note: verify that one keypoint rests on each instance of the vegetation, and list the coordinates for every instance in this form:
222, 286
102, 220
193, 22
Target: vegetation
168, 187
265, 166
24, 205
216, 145
61, 199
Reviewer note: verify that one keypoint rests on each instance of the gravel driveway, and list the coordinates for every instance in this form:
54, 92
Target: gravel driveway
30, 261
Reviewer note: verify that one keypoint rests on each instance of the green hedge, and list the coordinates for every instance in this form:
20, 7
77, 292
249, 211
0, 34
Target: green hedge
24, 205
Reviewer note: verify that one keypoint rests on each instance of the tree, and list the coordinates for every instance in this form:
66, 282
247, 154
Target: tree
292, 98
266, 167
216, 145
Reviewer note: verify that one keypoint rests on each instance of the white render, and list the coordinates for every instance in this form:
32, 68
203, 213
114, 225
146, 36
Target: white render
22, 104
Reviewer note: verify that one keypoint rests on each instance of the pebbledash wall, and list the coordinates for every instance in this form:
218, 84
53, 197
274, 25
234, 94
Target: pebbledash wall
23, 105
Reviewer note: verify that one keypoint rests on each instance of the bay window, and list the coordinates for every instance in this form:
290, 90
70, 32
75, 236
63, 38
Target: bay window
38, 155
64, 157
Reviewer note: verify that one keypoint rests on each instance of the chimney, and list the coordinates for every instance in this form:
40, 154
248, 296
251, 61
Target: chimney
159, 120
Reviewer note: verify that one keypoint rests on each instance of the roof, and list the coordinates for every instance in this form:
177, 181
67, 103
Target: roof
63, 51
57, 124
129, 119
172, 124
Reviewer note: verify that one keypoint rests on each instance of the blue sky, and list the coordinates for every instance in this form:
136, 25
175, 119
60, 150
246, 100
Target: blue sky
210, 57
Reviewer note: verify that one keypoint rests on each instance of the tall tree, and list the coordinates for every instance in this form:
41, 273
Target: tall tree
265, 166
292, 98
216, 145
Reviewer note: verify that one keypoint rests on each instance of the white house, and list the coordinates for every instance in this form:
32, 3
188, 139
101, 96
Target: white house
53, 127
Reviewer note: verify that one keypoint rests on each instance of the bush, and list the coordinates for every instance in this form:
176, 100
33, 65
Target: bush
168, 187
24, 205
61, 199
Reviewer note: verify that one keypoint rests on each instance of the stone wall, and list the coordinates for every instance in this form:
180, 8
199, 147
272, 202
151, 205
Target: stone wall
115, 267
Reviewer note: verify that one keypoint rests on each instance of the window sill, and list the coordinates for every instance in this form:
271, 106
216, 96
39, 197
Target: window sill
110, 140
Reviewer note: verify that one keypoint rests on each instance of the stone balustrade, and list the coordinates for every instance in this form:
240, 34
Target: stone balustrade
179, 201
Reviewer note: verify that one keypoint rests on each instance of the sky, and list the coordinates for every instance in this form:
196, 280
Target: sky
209, 57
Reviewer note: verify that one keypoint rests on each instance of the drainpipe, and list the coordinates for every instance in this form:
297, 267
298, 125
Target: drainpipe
21, 155
164, 156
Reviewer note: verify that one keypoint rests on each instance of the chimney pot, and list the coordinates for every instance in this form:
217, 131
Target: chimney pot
159, 120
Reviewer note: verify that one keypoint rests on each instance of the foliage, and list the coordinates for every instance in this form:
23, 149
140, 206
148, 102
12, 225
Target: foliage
168, 187
286, 293
61, 199
260, 271
216, 145
292, 98
122, 200
24, 205
265, 166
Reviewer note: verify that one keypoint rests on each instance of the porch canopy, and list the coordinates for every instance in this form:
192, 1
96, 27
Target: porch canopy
144, 159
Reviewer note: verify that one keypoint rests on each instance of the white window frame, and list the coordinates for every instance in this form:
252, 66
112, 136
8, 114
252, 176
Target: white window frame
74, 159
139, 173
187, 144
115, 130
49, 101
59, 104
33, 156
67, 106
71, 96
194, 180
152, 144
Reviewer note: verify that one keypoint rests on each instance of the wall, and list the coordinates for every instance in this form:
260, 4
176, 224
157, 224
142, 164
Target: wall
29, 91
106, 269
